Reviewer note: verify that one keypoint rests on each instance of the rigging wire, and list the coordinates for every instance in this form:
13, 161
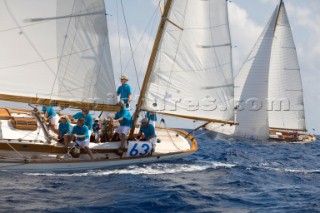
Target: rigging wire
149, 40
169, 133
134, 63
121, 69
150, 25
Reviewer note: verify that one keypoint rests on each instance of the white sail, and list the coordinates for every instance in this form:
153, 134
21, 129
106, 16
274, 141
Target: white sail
192, 73
285, 86
251, 87
56, 50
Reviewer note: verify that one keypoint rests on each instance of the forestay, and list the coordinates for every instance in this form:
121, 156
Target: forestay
57, 50
192, 73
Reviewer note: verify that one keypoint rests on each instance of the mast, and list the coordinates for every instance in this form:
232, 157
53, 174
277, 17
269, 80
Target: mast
150, 65
278, 13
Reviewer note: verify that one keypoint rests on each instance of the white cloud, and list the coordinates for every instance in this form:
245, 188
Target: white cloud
244, 33
267, 1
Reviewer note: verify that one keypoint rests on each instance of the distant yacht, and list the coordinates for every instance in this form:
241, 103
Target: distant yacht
268, 89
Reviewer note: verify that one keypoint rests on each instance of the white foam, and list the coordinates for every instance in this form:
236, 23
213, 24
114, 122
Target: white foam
276, 166
294, 170
154, 169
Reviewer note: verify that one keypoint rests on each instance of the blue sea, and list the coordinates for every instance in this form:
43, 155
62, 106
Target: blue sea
223, 176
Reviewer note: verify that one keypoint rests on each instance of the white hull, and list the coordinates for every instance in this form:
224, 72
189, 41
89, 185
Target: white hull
87, 165
226, 132
28, 150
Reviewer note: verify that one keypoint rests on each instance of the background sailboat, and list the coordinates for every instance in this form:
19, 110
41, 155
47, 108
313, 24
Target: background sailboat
268, 88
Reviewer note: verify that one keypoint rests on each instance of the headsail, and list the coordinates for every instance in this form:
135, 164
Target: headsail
192, 73
56, 50
285, 86
251, 87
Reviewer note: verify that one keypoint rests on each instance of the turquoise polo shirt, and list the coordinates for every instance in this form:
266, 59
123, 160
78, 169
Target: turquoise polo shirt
51, 112
81, 131
124, 91
87, 119
125, 114
152, 117
64, 128
44, 109
148, 131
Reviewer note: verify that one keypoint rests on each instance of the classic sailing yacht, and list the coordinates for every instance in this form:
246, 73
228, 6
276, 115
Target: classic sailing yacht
268, 88
57, 53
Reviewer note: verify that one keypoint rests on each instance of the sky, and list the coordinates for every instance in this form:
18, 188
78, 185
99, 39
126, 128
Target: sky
247, 19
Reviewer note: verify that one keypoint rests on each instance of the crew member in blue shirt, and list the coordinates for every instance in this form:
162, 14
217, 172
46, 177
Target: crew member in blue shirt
64, 130
148, 131
125, 119
152, 116
44, 109
96, 129
124, 90
80, 133
87, 118
53, 118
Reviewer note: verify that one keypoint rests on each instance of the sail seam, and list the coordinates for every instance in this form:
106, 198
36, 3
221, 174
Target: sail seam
48, 59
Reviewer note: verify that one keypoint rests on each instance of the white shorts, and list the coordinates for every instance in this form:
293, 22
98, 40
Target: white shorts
96, 135
54, 120
123, 130
84, 143
153, 141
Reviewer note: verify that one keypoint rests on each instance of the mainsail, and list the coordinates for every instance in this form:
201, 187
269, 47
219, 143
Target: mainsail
56, 50
285, 86
191, 75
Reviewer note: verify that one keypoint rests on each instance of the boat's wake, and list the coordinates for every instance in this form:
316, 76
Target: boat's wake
154, 169
292, 170
172, 168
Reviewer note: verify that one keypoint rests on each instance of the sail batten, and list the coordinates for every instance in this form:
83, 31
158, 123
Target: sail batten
62, 17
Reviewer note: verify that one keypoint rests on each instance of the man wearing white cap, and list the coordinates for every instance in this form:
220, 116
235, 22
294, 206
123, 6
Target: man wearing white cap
148, 131
124, 90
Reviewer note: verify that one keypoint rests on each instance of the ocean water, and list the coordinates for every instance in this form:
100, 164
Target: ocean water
223, 176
